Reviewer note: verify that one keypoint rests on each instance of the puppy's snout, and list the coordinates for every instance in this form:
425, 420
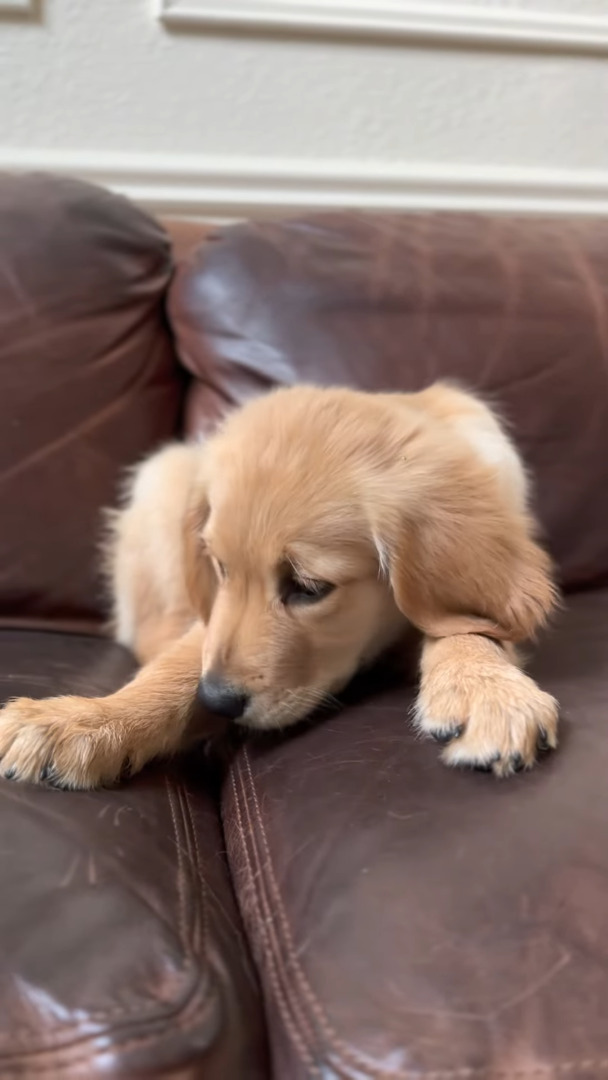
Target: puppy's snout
221, 697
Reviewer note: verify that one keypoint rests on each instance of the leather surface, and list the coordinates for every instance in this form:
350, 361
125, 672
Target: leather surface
413, 922
121, 950
89, 383
514, 308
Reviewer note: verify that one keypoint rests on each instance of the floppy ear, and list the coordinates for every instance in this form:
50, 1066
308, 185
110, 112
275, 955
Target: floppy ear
461, 561
201, 582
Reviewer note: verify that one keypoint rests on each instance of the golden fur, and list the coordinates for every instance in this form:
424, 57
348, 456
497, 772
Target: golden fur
292, 548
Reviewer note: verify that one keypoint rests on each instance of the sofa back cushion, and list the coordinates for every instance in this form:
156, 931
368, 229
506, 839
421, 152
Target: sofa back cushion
88, 383
516, 309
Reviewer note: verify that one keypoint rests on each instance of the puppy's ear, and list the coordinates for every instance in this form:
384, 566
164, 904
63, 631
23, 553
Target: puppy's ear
460, 561
201, 582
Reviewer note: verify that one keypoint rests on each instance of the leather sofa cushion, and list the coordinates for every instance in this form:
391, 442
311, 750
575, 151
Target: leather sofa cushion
121, 949
412, 921
89, 383
515, 308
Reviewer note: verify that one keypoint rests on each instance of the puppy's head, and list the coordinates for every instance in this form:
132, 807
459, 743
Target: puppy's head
322, 522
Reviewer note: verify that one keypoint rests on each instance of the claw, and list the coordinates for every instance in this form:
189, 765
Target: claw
546, 741
487, 766
447, 735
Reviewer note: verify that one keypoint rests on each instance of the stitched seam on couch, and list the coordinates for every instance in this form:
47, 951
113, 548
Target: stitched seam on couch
189, 935
201, 941
259, 926
345, 1055
303, 995
272, 935
59, 1059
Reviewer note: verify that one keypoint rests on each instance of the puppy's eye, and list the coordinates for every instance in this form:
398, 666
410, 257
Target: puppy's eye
299, 591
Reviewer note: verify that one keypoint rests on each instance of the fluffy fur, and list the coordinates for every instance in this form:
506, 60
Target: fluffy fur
291, 549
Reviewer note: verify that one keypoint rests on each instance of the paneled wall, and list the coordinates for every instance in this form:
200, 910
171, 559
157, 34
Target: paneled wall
230, 107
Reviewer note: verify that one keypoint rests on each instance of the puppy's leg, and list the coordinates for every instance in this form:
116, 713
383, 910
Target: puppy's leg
87, 742
144, 554
474, 698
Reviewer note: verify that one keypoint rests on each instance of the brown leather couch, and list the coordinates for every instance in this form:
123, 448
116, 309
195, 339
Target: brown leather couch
332, 904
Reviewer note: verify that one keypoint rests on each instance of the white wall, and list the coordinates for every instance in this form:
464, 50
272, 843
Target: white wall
296, 103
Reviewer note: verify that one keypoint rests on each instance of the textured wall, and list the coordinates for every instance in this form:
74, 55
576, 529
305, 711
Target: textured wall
106, 76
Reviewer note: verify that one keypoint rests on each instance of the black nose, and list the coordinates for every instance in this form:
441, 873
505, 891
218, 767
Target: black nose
220, 697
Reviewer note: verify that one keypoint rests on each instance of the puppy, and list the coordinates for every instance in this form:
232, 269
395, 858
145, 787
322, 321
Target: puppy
261, 570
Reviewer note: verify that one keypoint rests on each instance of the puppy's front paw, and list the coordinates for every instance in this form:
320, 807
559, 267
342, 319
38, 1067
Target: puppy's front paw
496, 719
67, 741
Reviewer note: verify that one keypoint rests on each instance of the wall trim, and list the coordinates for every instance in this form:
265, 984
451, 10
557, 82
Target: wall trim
210, 187
449, 23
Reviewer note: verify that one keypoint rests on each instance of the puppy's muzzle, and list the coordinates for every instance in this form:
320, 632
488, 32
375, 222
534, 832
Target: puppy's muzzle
221, 698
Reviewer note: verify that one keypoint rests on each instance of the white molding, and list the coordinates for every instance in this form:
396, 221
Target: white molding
207, 187
17, 7
448, 23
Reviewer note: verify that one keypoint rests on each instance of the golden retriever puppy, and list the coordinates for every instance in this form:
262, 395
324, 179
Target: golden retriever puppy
258, 572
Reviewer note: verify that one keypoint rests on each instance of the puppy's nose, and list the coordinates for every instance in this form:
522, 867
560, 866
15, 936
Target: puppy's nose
220, 697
